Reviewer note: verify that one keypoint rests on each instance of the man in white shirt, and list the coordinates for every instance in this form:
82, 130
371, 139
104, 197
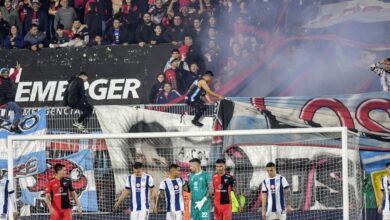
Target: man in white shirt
140, 187
384, 200
7, 196
172, 189
275, 195
383, 72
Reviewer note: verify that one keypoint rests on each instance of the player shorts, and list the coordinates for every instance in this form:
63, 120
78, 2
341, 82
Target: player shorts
62, 214
139, 215
223, 212
276, 215
386, 215
203, 214
178, 215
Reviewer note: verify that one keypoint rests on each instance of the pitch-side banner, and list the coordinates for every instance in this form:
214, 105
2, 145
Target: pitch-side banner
117, 75
155, 153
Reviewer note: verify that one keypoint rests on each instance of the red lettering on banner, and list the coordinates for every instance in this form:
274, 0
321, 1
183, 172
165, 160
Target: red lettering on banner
363, 114
310, 108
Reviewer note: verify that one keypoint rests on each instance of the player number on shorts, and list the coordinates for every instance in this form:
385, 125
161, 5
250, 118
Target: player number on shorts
205, 214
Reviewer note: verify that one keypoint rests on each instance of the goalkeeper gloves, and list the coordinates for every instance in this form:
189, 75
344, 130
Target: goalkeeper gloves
200, 204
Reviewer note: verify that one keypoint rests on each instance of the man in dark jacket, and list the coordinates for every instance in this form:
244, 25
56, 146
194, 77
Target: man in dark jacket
144, 31
36, 16
7, 98
76, 98
118, 34
176, 32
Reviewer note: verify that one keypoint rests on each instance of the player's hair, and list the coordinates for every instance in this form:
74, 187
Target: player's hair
138, 165
173, 166
208, 72
195, 160
387, 164
388, 59
223, 161
83, 74
58, 167
270, 164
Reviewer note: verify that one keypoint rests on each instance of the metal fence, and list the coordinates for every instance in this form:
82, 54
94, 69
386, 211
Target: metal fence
60, 119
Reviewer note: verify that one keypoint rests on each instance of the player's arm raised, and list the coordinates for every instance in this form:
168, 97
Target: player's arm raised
206, 88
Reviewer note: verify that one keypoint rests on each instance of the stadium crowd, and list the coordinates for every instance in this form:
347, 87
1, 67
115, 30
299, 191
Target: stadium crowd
218, 35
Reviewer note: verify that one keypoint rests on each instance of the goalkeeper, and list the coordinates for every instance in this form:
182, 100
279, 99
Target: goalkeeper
200, 185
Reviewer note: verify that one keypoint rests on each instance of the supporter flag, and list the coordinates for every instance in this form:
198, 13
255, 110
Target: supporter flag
30, 156
156, 154
365, 11
366, 113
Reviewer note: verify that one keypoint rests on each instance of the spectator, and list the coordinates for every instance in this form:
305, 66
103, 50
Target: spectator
157, 88
14, 39
175, 54
175, 33
212, 34
97, 41
22, 8
7, 97
172, 75
61, 39
34, 39
144, 31
36, 16
54, 4
212, 55
212, 22
4, 27
117, 34
80, 29
10, 15
167, 95
104, 9
93, 21
157, 37
195, 8
77, 41
193, 54
183, 49
159, 13
64, 15
130, 16
196, 31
